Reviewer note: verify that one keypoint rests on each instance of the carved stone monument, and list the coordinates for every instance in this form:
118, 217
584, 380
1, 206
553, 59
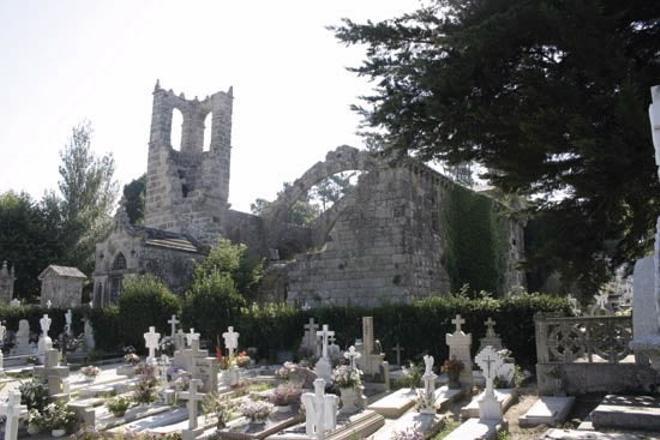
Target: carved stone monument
459, 347
320, 411
372, 358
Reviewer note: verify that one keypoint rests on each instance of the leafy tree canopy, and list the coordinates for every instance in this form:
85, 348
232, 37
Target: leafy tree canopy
549, 96
134, 197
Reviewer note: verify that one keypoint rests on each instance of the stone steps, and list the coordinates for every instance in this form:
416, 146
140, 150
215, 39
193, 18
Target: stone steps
627, 412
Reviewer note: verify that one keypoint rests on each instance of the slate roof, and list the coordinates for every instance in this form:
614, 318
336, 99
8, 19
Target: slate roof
170, 240
63, 271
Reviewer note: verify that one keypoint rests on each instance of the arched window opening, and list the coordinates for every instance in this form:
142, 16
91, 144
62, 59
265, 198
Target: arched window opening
177, 129
119, 262
208, 125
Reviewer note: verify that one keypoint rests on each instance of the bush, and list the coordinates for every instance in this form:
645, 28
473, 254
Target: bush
211, 304
145, 301
34, 395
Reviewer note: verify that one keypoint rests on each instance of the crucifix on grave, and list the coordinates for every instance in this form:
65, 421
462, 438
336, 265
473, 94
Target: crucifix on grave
459, 348
490, 362
352, 355
309, 338
45, 343
68, 319
231, 340
193, 397
320, 411
323, 368
151, 339
52, 373
190, 336
398, 349
173, 322
13, 411
491, 338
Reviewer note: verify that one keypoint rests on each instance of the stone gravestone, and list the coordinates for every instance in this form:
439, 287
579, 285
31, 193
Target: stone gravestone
22, 346
151, 339
309, 342
173, 322
3, 333
231, 340
491, 338
459, 347
13, 412
53, 373
193, 397
68, 320
649, 345
88, 334
320, 410
398, 349
643, 302
201, 366
45, 342
490, 362
428, 397
371, 360
323, 367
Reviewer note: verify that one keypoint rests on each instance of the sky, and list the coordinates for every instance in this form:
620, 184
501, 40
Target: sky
66, 61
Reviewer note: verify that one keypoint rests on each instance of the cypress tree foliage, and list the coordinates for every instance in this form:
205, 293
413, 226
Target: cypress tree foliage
550, 96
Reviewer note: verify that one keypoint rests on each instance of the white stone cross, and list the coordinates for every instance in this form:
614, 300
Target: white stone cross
151, 339
190, 336
490, 362
458, 322
320, 411
490, 328
164, 364
193, 397
3, 333
428, 402
49, 303
68, 317
325, 334
352, 355
44, 322
13, 411
398, 349
231, 340
173, 322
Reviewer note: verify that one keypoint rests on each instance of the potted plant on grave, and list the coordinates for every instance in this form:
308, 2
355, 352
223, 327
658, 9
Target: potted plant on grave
229, 373
60, 419
131, 360
242, 359
453, 368
256, 411
284, 396
219, 406
145, 388
349, 382
90, 372
118, 405
36, 422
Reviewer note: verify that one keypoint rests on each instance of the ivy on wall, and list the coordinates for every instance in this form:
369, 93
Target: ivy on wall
476, 240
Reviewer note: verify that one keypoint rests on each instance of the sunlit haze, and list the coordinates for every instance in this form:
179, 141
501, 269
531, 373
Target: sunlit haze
66, 61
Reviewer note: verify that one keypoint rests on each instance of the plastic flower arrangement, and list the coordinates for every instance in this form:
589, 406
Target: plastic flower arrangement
118, 405
242, 359
145, 388
225, 362
256, 410
131, 359
90, 371
182, 382
453, 366
221, 406
346, 377
285, 394
59, 416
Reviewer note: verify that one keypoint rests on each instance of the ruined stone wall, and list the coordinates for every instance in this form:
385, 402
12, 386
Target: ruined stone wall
382, 248
175, 269
187, 190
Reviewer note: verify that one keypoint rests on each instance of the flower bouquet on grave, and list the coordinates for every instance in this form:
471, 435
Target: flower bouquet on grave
131, 359
36, 422
118, 405
90, 372
242, 359
222, 407
408, 434
181, 381
145, 388
59, 418
453, 368
284, 396
224, 362
166, 345
256, 411
412, 376
346, 377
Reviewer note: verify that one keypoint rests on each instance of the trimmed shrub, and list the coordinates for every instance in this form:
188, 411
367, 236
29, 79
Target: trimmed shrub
145, 301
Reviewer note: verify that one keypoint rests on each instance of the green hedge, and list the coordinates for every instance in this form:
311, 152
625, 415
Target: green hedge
420, 327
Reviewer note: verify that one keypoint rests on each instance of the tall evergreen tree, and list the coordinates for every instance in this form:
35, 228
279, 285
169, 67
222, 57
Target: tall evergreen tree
549, 96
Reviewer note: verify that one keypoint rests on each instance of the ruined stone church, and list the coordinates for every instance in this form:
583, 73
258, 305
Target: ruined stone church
384, 241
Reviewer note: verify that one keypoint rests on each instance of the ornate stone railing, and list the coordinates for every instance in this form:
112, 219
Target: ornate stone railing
589, 339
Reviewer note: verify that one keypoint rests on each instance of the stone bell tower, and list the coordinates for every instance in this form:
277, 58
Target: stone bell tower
187, 189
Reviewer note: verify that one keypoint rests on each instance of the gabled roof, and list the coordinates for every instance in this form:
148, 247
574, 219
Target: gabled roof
63, 271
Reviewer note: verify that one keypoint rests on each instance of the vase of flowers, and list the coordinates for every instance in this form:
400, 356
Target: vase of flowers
118, 405
90, 372
131, 360
59, 418
256, 411
453, 368
350, 387
242, 359
35, 422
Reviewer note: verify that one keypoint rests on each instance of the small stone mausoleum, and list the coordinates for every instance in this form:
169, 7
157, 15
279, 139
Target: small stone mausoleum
62, 286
